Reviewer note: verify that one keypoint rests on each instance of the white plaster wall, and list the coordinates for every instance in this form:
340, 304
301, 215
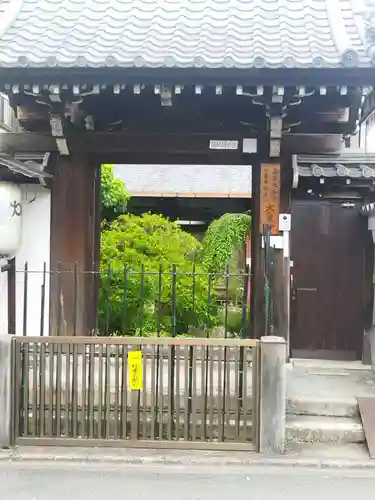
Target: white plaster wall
35, 250
3, 276
7, 118
3, 300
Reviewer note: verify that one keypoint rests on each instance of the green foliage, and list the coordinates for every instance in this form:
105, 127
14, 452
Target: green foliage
114, 197
150, 243
223, 238
232, 318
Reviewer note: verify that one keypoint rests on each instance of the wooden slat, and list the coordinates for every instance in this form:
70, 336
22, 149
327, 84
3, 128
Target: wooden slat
367, 412
67, 340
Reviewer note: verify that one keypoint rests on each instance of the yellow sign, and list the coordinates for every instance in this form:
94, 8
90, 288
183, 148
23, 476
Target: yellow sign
135, 370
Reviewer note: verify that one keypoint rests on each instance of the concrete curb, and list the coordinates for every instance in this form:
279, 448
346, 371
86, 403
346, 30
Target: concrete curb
194, 460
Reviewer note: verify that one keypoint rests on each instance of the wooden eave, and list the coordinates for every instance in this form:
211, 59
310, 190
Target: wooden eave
59, 89
188, 76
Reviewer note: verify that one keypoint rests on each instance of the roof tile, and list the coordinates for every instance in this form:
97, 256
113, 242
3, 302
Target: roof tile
182, 33
180, 180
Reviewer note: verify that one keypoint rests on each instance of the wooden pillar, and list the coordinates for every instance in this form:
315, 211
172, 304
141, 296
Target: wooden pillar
281, 294
280, 290
75, 240
257, 281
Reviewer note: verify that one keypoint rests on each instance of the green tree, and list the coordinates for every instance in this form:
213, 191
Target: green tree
223, 238
168, 302
114, 197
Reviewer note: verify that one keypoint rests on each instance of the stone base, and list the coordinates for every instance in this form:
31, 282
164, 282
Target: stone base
369, 347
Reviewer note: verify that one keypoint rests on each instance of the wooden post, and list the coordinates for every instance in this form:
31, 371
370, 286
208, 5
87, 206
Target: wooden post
271, 191
6, 391
281, 294
257, 282
75, 240
266, 198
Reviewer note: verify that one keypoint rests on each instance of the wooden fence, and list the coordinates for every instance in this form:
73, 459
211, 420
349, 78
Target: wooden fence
136, 392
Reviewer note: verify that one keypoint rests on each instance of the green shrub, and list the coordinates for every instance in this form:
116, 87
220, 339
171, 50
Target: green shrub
233, 318
132, 302
114, 197
223, 238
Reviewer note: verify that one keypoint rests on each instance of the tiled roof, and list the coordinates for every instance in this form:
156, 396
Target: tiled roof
180, 180
185, 33
352, 165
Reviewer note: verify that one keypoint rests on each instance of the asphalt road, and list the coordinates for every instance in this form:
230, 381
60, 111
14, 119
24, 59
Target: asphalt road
56, 481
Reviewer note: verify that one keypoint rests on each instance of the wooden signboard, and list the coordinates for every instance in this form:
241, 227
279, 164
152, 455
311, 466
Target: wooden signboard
270, 196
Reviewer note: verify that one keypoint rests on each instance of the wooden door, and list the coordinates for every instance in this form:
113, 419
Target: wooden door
330, 279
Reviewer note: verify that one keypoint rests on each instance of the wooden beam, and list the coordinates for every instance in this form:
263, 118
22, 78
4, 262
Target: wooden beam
319, 127
110, 142
114, 145
165, 143
190, 76
311, 143
26, 142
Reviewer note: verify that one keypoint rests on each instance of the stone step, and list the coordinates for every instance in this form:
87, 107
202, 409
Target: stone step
314, 429
323, 407
329, 365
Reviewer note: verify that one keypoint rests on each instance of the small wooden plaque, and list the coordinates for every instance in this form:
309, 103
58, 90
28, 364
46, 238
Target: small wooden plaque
270, 196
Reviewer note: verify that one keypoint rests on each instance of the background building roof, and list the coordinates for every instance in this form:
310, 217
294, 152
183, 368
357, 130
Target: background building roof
186, 180
186, 33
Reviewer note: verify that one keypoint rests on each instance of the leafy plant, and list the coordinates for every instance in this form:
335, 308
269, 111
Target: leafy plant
114, 197
147, 279
232, 318
223, 239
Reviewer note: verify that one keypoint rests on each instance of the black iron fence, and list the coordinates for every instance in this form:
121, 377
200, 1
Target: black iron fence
120, 301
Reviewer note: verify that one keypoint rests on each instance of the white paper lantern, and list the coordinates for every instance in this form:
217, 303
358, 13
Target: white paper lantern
10, 219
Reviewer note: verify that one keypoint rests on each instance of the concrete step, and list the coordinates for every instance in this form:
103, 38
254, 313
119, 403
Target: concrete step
323, 407
314, 429
329, 365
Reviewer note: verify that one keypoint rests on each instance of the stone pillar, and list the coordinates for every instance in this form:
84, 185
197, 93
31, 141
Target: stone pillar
272, 395
5, 390
75, 240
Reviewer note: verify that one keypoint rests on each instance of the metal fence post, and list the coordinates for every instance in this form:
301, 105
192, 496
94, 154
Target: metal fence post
5, 390
272, 395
